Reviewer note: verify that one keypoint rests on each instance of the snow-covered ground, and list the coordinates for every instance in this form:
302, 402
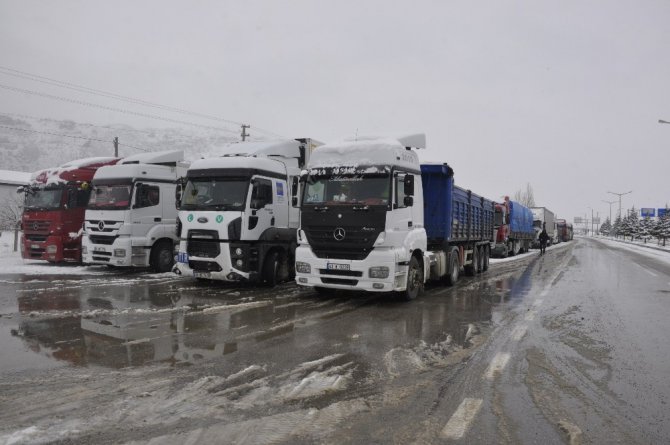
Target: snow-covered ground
650, 249
13, 263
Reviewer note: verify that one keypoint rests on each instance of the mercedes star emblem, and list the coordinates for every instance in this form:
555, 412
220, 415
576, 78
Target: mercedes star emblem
339, 234
36, 226
101, 226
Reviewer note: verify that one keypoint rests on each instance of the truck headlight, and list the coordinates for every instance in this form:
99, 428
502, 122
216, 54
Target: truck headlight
378, 272
120, 252
52, 248
301, 267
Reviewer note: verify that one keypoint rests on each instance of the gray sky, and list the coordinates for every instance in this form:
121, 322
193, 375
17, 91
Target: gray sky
565, 95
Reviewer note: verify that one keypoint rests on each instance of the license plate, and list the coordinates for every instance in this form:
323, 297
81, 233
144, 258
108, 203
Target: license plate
34, 246
202, 274
99, 249
336, 266
182, 257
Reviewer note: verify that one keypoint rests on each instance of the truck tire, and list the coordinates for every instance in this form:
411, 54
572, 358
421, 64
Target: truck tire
162, 257
271, 269
414, 286
473, 268
453, 271
485, 258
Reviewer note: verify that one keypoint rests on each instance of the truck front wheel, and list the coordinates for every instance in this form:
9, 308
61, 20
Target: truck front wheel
271, 269
453, 271
414, 280
162, 257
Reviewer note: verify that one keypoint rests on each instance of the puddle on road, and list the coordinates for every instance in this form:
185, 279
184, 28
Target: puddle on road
135, 321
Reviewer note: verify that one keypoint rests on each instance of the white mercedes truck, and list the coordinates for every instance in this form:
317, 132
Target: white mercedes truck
131, 214
237, 217
373, 218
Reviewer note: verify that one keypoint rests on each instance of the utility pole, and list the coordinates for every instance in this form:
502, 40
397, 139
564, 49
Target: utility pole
244, 134
620, 195
116, 147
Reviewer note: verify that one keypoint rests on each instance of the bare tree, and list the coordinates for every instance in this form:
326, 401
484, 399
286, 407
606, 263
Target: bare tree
11, 208
525, 196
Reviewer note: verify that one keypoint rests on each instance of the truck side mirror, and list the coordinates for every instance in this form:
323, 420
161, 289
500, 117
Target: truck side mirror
409, 185
408, 201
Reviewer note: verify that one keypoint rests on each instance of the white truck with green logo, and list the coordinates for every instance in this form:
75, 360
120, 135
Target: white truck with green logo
237, 221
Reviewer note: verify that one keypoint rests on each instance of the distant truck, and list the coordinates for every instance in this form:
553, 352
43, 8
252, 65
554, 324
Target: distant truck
514, 228
364, 225
565, 231
544, 218
53, 214
237, 221
131, 214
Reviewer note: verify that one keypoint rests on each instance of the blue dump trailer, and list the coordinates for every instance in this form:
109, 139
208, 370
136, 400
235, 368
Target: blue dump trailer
459, 224
513, 227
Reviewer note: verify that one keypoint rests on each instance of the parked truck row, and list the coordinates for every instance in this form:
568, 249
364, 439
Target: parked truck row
357, 215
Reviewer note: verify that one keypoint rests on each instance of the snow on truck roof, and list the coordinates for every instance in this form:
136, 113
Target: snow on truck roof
160, 157
238, 162
369, 151
67, 172
289, 148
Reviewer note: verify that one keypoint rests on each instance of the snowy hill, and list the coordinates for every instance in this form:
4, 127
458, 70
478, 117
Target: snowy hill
30, 144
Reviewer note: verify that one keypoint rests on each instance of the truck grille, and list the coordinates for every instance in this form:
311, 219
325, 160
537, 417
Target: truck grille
356, 245
341, 273
339, 281
36, 226
36, 238
203, 243
98, 239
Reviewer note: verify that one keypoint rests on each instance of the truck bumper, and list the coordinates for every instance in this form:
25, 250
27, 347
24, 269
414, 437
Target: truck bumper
219, 268
54, 249
123, 252
354, 275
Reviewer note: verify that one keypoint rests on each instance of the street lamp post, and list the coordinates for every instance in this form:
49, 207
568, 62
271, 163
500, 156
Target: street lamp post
620, 195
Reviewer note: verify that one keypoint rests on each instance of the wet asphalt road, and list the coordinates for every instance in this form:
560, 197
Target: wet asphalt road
565, 348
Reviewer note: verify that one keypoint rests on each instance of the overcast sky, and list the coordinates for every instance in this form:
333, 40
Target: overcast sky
564, 95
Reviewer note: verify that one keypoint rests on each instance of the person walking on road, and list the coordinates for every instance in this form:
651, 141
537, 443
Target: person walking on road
544, 237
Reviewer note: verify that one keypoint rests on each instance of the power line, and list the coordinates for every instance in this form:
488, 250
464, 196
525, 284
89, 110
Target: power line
83, 89
69, 136
119, 110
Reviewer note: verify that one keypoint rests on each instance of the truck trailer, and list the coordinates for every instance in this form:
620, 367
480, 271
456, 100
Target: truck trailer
53, 213
237, 220
565, 230
131, 214
374, 219
544, 218
513, 227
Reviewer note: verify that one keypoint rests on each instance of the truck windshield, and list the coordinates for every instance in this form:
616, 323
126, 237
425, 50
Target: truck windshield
44, 199
110, 197
335, 190
214, 194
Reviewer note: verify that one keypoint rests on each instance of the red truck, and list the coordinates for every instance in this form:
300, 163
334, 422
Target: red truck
53, 214
565, 231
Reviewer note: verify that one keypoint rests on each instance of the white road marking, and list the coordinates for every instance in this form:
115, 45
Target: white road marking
530, 315
460, 421
497, 365
519, 332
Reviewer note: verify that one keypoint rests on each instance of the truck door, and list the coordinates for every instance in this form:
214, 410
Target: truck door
146, 210
402, 208
260, 209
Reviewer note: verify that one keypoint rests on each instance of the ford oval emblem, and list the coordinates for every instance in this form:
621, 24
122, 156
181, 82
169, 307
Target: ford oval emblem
202, 219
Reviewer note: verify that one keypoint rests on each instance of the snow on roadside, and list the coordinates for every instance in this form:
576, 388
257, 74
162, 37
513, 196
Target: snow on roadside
658, 254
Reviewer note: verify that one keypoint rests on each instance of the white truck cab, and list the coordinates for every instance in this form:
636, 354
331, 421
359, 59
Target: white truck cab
237, 221
361, 221
131, 215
